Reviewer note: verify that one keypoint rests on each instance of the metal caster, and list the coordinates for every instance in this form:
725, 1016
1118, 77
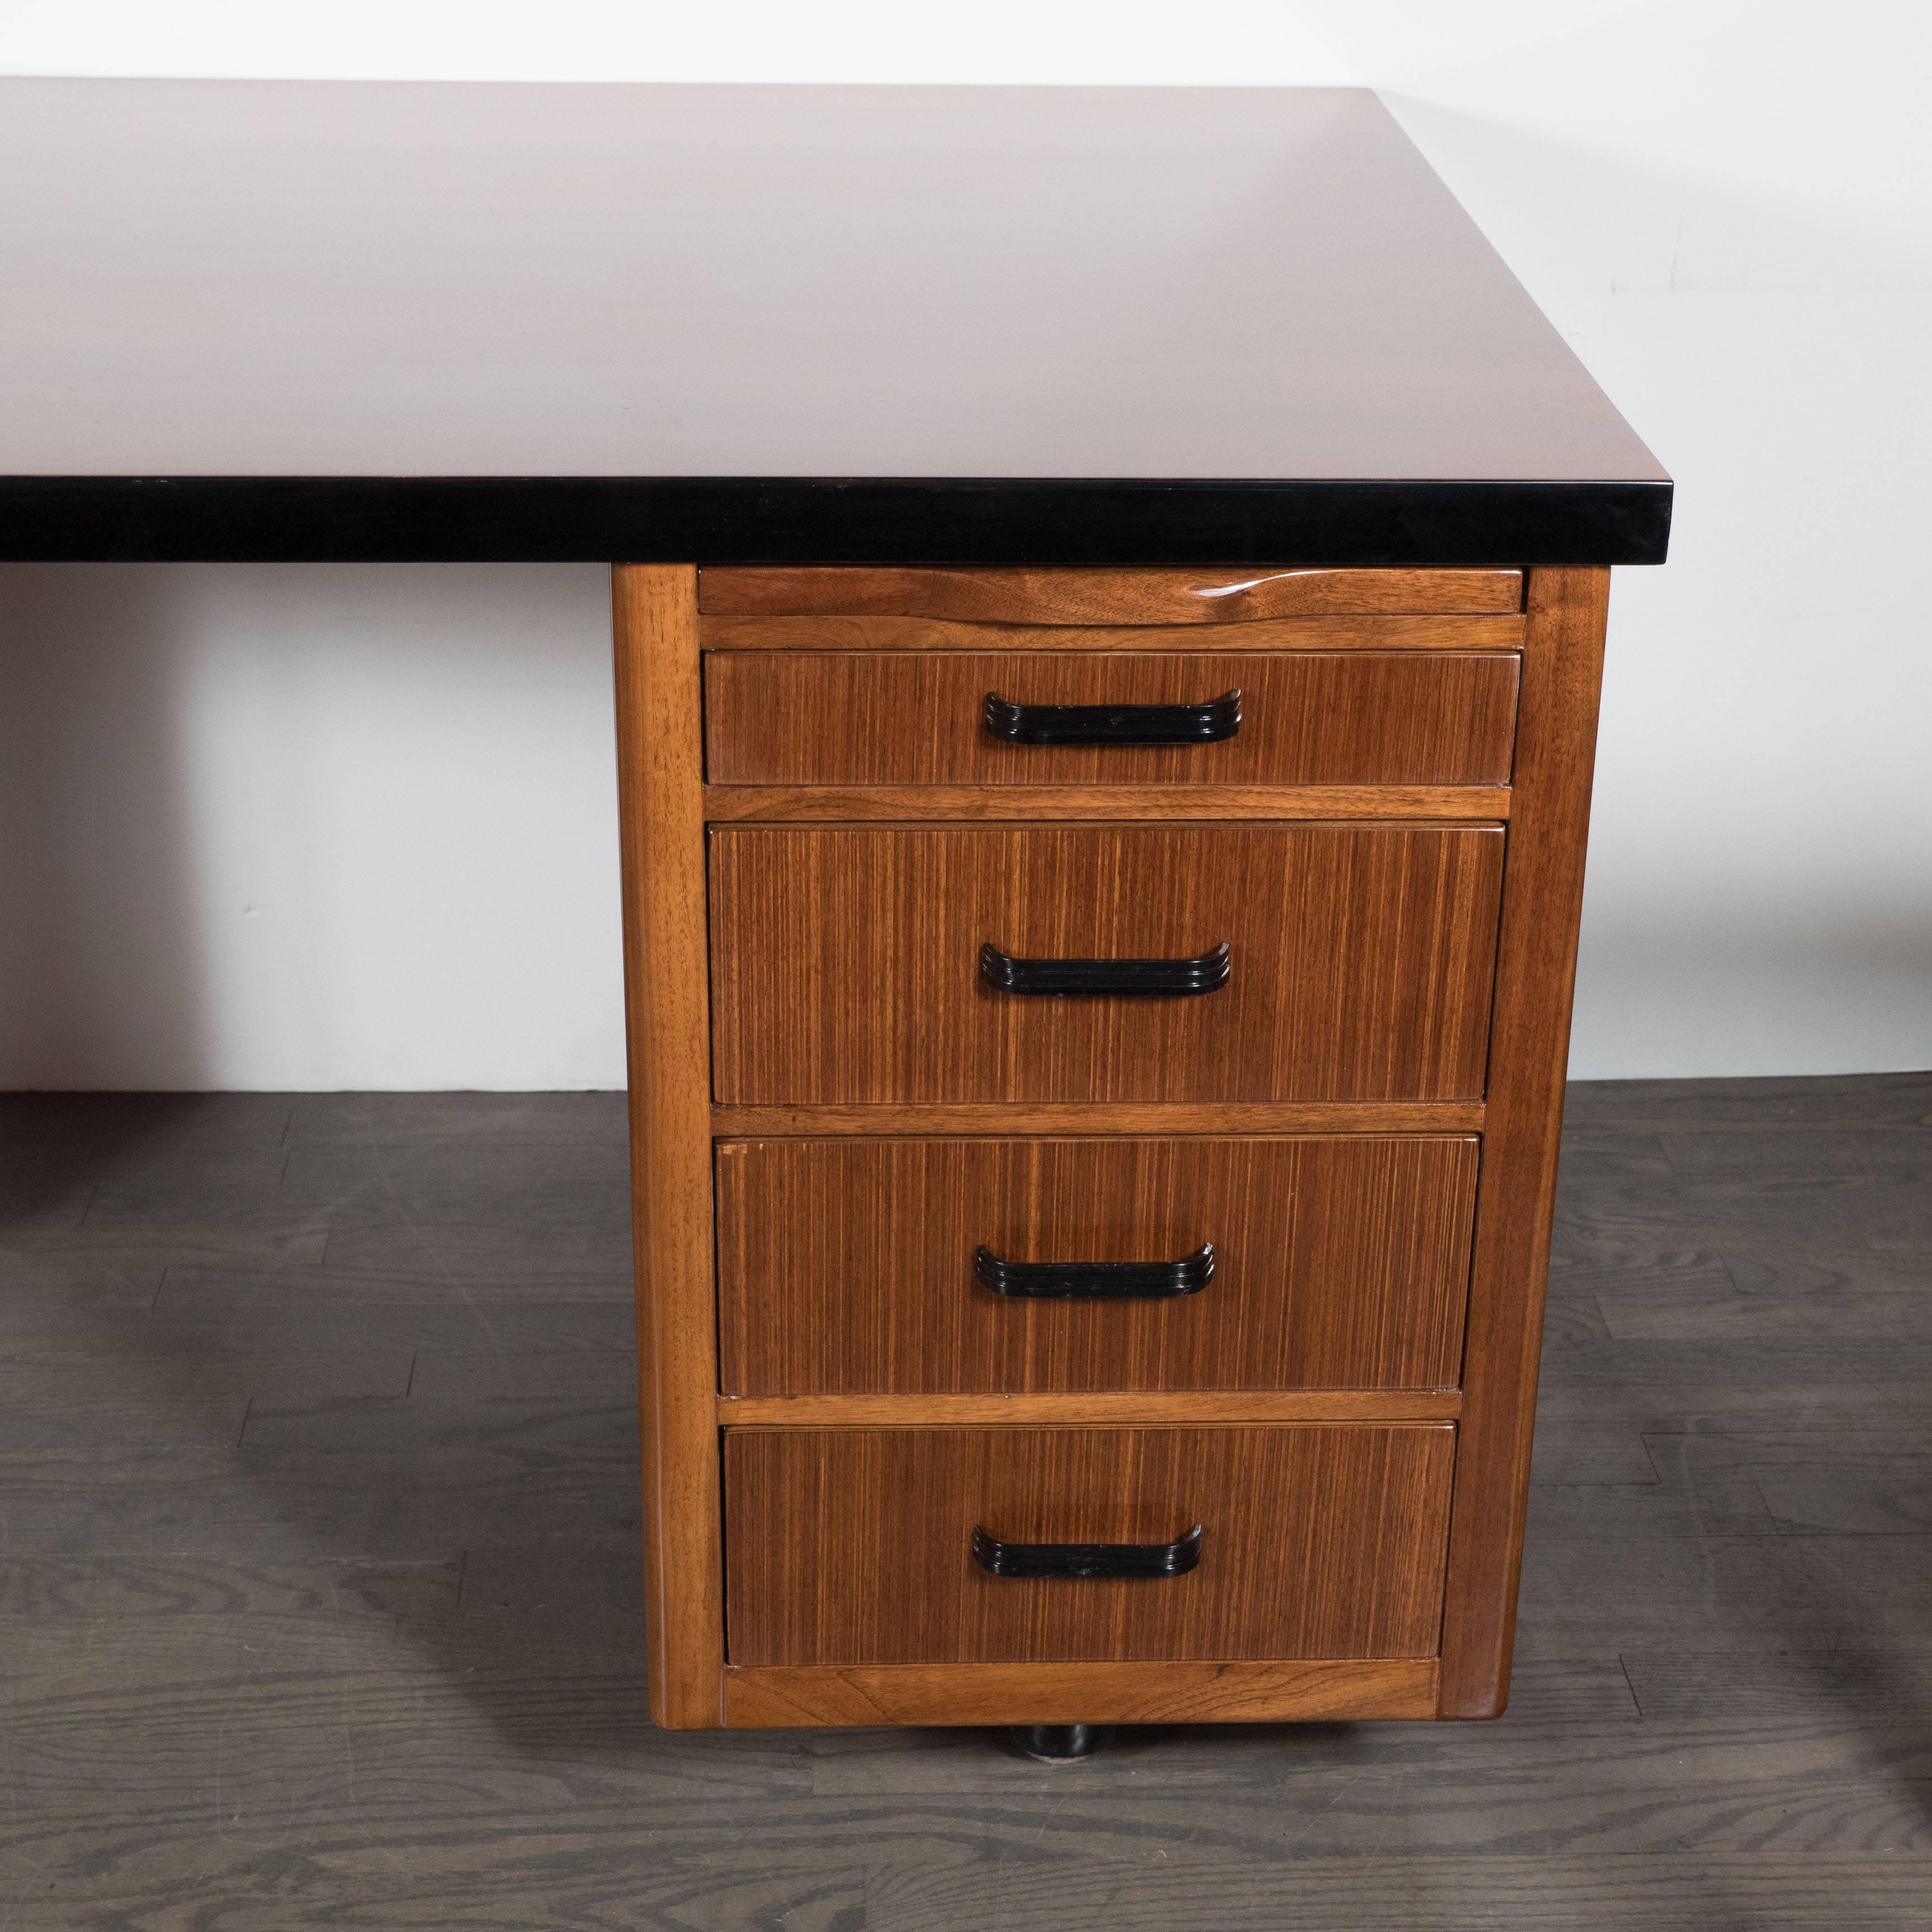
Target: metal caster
1060, 1743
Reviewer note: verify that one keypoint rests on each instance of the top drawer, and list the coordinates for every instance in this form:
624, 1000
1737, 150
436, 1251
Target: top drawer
1095, 718
1102, 596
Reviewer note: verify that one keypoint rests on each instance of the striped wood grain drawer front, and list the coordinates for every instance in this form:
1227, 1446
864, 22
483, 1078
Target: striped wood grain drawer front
1047, 596
1305, 718
847, 1266
847, 963
856, 1545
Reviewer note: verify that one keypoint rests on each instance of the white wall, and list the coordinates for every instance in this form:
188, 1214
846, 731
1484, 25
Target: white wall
343, 827
308, 825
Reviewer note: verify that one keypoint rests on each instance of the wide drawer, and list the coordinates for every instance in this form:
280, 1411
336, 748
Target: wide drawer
851, 964
858, 1545
1337, 718
883, 1266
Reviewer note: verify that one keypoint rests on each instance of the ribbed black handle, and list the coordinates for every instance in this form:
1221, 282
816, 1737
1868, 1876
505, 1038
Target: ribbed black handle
1095, 1281
1087, 1559
1173, 978
1114, 724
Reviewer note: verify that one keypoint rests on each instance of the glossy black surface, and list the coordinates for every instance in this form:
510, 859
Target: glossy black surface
1096, 1281
717, 520
1114, 724
317, 320
1170, 979
1109, 1560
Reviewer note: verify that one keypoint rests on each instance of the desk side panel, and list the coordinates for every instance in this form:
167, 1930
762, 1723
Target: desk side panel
1536, 964
660, 794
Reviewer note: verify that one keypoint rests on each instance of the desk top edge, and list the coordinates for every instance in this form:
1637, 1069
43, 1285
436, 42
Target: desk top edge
777, 520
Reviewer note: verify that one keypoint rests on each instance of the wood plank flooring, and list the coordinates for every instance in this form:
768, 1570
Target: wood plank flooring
319, 1602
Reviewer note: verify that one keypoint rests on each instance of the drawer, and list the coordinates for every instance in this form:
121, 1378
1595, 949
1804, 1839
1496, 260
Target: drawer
858, 1545
849, 1266
1304, 718
849, 965
1070, 596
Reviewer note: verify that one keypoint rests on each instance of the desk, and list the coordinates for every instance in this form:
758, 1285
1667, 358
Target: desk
1109, 593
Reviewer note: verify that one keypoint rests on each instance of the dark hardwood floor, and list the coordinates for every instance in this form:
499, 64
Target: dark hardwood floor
318, 1591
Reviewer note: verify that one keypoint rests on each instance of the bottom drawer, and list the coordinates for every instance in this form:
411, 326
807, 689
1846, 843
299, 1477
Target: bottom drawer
859, 1546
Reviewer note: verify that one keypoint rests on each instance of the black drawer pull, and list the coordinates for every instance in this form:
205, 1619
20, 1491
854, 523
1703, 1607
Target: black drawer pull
1098, 1281
1087, 1559
1173, 978
1114, 724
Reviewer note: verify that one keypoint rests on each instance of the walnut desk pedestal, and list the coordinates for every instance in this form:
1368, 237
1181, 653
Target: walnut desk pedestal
1110, 593
1094, 1131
